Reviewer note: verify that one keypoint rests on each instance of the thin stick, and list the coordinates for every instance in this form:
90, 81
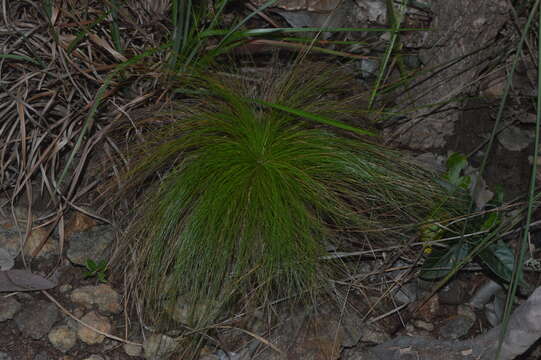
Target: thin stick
85, 324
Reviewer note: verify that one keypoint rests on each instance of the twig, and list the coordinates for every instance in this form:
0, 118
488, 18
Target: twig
85, 324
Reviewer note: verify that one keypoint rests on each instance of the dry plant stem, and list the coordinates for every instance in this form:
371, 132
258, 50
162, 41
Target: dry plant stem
262, 14
255, 336
383, 316
66, 311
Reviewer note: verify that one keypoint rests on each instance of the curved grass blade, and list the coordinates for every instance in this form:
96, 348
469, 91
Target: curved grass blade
395, 27
181, 16
518, 268
84, 32
264, 31
115, 31
21, 57
243, 21
314, 117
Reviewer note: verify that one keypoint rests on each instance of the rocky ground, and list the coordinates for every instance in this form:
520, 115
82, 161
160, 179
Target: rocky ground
82, 318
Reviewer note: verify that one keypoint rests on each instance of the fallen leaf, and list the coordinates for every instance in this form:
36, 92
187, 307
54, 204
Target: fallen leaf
22, 280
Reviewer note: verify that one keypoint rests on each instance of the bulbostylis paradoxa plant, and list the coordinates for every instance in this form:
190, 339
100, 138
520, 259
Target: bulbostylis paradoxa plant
253, 192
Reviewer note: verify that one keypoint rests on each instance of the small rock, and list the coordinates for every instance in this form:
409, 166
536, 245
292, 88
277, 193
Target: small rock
494, 311
423, 325
209, 357
10, 240
372, 11
368, 68
37, 236
94, 244
109, 345
97, 321
528, 118
132, 349
371, 334
452, 294
456, 327
24, 296
78, 312
412, 61
42, 356
8, 308
4, 356
514, 138
65, 288
466, 311
36, 319
182, 312
223, 355
430, 310
319, 338
21, 215
431, 161
78, 222
386, 36
158, 347
6, 260
406, 293
94, 357
62, 337
72, 323
107, 299
493, 85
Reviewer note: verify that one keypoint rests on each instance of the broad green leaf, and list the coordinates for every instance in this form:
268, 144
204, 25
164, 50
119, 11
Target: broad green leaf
91, 264
499, 258
455, 164
440, 262
491, 221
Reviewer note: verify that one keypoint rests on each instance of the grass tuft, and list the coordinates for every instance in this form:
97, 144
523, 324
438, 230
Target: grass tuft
252, 196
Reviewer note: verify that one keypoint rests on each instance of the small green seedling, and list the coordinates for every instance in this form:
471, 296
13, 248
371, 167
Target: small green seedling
96, 269
456, 164
498, 257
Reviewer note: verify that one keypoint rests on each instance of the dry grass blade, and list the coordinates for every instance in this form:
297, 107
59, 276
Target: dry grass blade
54, 57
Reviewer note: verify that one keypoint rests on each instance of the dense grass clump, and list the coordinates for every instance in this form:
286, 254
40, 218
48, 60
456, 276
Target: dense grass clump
253, 196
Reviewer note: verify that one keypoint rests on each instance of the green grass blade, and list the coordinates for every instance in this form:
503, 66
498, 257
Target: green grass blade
115, 32
243, 21
22, 58
518, 269
48, 8
395, 22
315, 117
84, 32
270, 31
181, 15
